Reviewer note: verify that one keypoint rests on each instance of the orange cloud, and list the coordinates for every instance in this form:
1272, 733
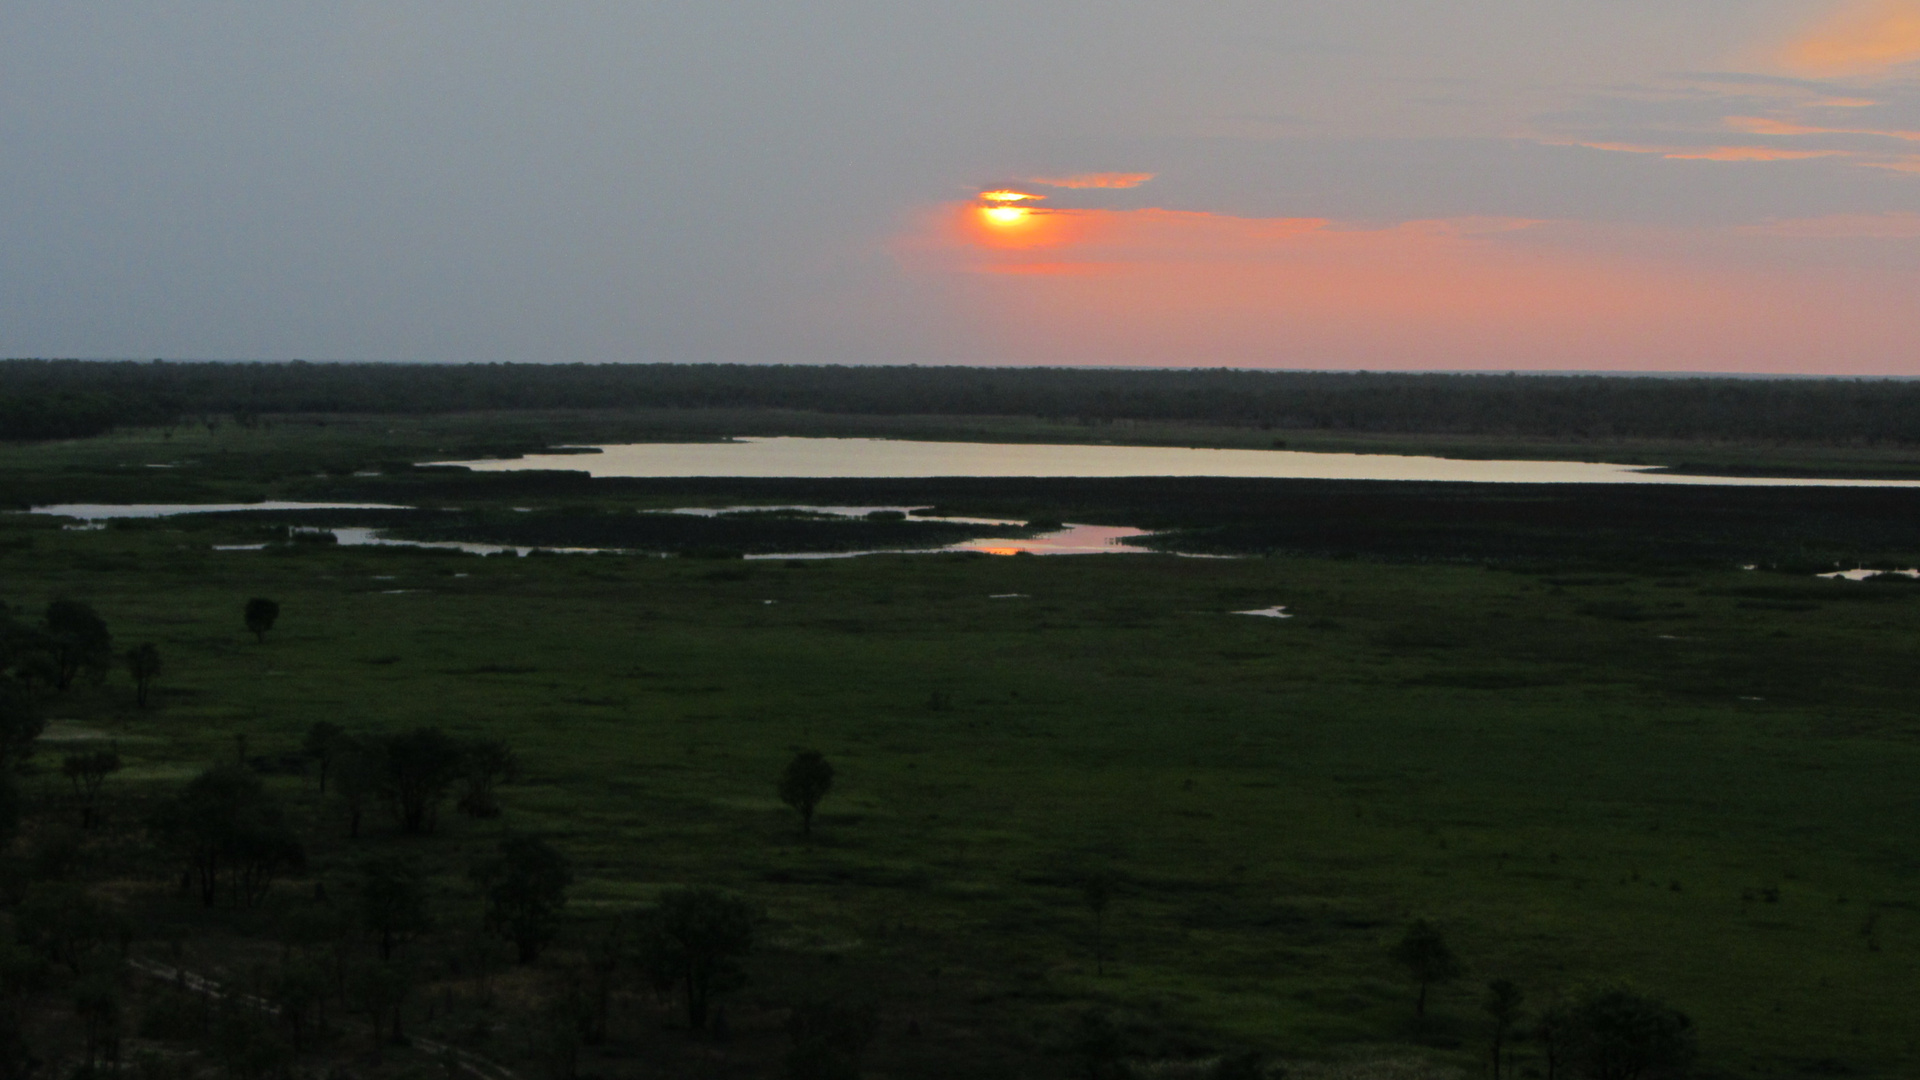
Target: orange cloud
1760, 125
1862, 38
1751, 153
1715, 153
1095, 180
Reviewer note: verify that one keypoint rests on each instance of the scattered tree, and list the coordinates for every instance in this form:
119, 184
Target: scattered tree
417, 768
143, 663
696, 939
78, 640
805, 781
393, 903
1503, 1003
1616, 1033
64, 926
96, 1002
86, 771
260, 615
525, 887
484, 765
1552, 1030
323, 744
20, 724
357, 772
231, 832
1423, 952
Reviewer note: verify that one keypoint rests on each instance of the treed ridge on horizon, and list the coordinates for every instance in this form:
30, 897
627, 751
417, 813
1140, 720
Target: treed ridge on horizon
42, 399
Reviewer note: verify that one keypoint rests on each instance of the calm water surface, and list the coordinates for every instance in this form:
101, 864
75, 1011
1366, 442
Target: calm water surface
904, 459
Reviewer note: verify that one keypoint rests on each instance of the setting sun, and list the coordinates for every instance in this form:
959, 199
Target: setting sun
1004, 215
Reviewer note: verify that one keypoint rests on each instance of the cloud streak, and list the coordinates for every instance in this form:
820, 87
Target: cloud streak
1094, 180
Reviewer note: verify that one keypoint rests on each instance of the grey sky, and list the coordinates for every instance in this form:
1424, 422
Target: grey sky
732, 181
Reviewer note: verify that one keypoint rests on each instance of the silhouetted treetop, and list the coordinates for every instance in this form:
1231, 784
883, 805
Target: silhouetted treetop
52, 399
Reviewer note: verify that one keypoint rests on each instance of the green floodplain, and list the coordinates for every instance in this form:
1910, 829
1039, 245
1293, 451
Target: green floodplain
1586, 761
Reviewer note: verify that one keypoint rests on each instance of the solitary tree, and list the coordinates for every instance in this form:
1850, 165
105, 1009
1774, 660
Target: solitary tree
1503, 1003
1428, 960
86, 771
143, 663
78, 641
696, 939
526, 888
260, 615
393, 903
805, 781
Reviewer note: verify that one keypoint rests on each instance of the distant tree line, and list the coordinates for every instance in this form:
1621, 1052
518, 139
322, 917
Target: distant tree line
49, 399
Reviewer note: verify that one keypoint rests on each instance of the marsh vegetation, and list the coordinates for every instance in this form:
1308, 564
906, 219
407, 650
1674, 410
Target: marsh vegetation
1078, 817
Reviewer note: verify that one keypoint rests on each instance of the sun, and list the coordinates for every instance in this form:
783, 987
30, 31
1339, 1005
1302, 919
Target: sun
1005, 216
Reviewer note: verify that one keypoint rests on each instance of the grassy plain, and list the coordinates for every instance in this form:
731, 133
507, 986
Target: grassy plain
1699, 780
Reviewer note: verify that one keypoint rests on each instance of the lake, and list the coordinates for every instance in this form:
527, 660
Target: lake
905, 459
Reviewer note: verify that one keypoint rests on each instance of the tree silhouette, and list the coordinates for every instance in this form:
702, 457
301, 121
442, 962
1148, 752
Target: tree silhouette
393, 903
78, 640
86, 771
484, 765
1615, 1033
1503, 1002
261, 613
697, 936
357, 770
231, 833
1428, 960
20, 724
525, 887
803, 783
417, 768
324, 742
143, 663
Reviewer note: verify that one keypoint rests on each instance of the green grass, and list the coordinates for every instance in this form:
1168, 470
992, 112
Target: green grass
1578, 778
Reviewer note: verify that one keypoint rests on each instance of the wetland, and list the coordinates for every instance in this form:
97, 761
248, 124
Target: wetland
1596, 734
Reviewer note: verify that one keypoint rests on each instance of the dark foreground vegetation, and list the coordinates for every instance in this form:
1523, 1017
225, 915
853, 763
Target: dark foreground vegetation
1532, 782
42, 399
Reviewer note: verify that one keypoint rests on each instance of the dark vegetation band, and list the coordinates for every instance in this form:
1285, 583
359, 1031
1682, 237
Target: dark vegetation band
46, 399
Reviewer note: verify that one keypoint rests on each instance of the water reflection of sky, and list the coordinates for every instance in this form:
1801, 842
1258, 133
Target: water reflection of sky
793, 458
1069, 540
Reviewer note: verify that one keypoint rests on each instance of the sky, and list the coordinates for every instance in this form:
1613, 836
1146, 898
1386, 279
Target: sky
1633, 185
